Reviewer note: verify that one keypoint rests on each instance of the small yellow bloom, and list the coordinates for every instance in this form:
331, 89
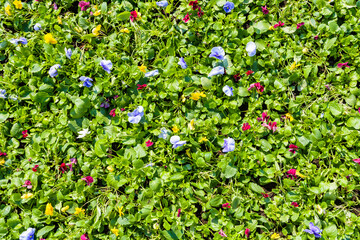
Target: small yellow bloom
49, 210
275, 236
64, 209
124, 30
79, 210
2, 161
203, 139
196, 96
188, 152
27, 195
18, 4
183, 98
97, 13
142, 68
120, 211
115, 231
288, 116
110, 168
294, 65
59, 20
96, 7
175, 129
50, 39
192, 125
271, 28
7, 10
96, 30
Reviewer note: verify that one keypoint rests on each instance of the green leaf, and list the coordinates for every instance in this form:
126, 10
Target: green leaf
100, 147
265, 145
44, 231
256, 188
216, 201
4, 116
230, 171
140, 151
329, 43
206, 83
331, 231
176, 176
261, 27
353, 122
124, 16
36, 68
15, 130
336, 109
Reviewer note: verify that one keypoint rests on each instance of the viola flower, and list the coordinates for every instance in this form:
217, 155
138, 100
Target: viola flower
194, 4
217, 52
179, 211
149, 143
196, 96
136, 115
18, 4
294, 65
265, 195
79, 211
97, 13
7, 10
272, 126
229, 145
299, 25
275, 236
219, 70
122, 109
293, 148
258, 87
124, 30
237, 77
120, 211
164, 133
106, 65
88, 180
340, 65
142, 68
265, 10
357, 160
21, 40
73, 161
175, 141
280, 24
37, 27
27, 184
246, 126
24, 133
83, 133
96, 30
49, 39
226, 205
295, 204
140, 87
228, 91
84, 5
133, 15
105, 105
251, 49
316, 37
55, 6
191, 125
314, 230
203, 139
182, 63
228, 7
152, 73
288, 116
264, 117
222, 233
49, 210
87, 81
175, 129
84, 237
35, 168
112, 112
162, 3
249, 72
53, 70
115, 231
186, 18
28, 234
3, 154
247, 232
68, 53
327, 86
63, 167
59, 20
291, 173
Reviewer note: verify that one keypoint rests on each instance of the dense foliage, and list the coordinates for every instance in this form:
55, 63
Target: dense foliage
179, 120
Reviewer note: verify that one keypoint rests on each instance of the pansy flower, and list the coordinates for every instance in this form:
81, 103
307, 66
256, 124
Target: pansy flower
217, 52
246, 126
87, 81
265, 10
84, 5
219, 70
53, 70
299, 25
182, 63
228, 7
106, 65
175, 141
229, 145
88, 180
68, 53
162, 3
228, 91
293, 148
136, 115
152, 73
186, 18
314, 230
251, 49
222, 233
37, 27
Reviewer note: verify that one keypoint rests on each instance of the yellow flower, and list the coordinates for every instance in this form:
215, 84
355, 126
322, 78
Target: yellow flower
196, 96
203, 139
7, 10
96, 7
79, 210
288, 116
175, 129
124, 30
2, 161
96, 30
27, 195
64, 209
59, 20
78, 29
271, 28
110, 168
275, 236
183, 98
192, 125
120, 211
49, 210
188, 152
97, 13
115, 231
18, 4
50, 39
142, 68
294, 65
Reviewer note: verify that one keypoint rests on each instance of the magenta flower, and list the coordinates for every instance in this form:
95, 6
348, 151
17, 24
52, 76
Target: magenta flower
84, 5
265, 10
112, 112
226, 205
291, 173
359, 109
271, 126
293, 148
357, 160
141, 86
264, 117
246, 126
116, 96
27, 184
265, 195
73, 161
222, 233
133, 15
316, 37
179, 211
327, 86
299, 25
280, 24
122, 109
258, 87
295, 204
340, 65
55, 6
3, 154
84, 237
186, 18
149, 143
88, 180
247, 232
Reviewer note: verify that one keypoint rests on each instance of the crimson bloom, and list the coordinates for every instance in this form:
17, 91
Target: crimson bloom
247, 232
272, 126
2, 154
84, 5
112, 112
141, 86
133, 15
149, 143
258, 87
35, 168
186, 18
293, 148
340, 65
27, 184
291, 173
265, 195
246, 126
237, 77
295, 204
179, 211
88, 180
226, 205
264, 117
24, 133
316, 37
122, 109
357, 160
299, 25
193, 4
200, 12
280, 24
265, 10
249, 72
63, 167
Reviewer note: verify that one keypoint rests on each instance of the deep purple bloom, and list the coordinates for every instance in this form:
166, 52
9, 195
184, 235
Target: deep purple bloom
314, 230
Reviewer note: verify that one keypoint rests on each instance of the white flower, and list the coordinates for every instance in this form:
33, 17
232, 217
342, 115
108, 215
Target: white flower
251, 48
83, 133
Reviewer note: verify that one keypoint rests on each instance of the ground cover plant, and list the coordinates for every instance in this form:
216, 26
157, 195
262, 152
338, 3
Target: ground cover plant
181, 119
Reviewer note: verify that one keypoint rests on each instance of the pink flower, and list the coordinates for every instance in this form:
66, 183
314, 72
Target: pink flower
265, 195
246, 126
280, 24
222, 233
247, 232
186, 18
55, 6
293, 148
2, 154
133, 15
258, 87
84, 5
340, 65
149, 143
291, 173
112, 112
295, 204
141, 86
84, 237
35, 168
27, 184
316, 37
179, 211
272, 126
299, 25
265, 10
122, 109
226, 205
358, 110
88, 180
357, 160
264, 117
116, 96
24, 133
327, 86
73, 161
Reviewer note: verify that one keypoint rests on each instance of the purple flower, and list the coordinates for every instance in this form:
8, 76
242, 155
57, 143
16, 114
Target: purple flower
55, 6
216, 71
68, 53
182, 63
217, 52
21, 40
162, 3
87, 81
37, 27
105, 105
106, 65
228, 6
175, 141
28, 234
53, 70
229, 145
152, 73
228, 91
136, 115
314, 230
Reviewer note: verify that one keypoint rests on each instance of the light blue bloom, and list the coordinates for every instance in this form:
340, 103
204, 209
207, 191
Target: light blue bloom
106, 65
162, 3
216, 71
37, 27
53, 70
217, 52
136, 115
68, 53
152, 73
149, 165
228, 90
14, 98
21, 40
2, 93
87, 81
314, 230
251, 48
229, 145
182, 63
164, 133
175, 141
28, 234
228, 6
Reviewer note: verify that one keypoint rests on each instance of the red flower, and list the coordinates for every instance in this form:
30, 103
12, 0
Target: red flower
2, 154
179, 211
295, 204
200, 12
35, 168
226, 205
293, 148
24, 133
265, 10
186, 18
194, 4
249, 72
258, 87
246, 126
133, 15
141, 86
122, 109
112, 112
299, 25
247, 232
149, 143
237, 77
265, 195
264, 117
63, 167
316, 37
280, 24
